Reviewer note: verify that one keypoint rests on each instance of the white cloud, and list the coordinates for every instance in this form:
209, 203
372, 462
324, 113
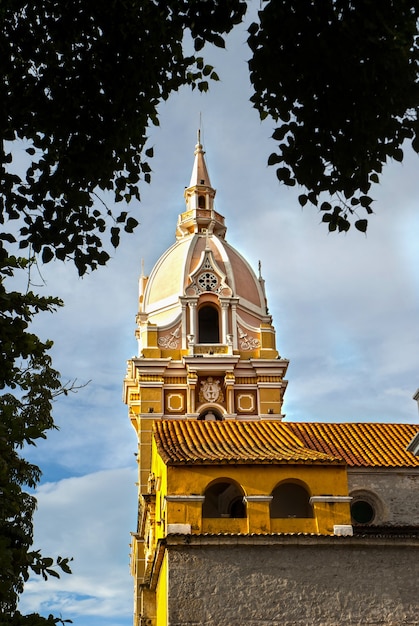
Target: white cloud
89, 518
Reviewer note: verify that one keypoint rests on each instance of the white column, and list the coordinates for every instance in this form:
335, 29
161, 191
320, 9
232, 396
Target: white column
183, 324
224, 321
192, 319
234, 325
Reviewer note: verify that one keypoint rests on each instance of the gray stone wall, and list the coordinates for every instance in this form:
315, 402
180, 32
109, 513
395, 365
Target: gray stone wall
395, 492
344, 582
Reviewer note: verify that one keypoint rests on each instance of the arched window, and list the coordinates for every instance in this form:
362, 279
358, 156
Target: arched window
201, 202
208, 324
362, 512
211, 415
224, 499
291, 500
366, 508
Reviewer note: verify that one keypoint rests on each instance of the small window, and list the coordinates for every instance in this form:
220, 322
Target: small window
201, 202
211, 416
362, 512
208, 325
366, 508
224, 499
290, 500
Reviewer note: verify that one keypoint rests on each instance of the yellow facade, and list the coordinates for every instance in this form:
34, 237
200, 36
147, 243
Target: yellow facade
175, 499
255, 480
205, 397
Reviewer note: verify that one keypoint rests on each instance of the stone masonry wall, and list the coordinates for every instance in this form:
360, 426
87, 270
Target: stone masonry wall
396, 492
343, 583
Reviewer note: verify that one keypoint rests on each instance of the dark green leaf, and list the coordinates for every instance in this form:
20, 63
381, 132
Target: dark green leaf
274, 159
365, 201
115, 237
361, 225
47, 254
397, 154
130, 225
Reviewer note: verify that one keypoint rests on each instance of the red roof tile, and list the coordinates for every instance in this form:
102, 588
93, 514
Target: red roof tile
361, 444
232, 441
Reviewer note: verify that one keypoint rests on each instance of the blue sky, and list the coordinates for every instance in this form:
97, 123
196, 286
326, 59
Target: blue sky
345, 308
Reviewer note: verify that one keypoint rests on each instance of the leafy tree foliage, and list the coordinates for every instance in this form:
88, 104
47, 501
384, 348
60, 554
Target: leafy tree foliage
83, 81
29, 384
341, 78
81, 84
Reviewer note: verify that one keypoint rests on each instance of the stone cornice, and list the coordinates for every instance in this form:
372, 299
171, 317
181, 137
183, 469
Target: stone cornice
184, 498
294, 539
332, 499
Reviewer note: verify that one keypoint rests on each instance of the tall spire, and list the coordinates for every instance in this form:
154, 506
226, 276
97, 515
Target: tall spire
199, 171
200, 215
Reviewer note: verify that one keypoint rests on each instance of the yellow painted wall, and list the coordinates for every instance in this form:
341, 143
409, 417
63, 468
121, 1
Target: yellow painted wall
144, 452
159, 471
258, 479
254, 480
270, 400
162, 596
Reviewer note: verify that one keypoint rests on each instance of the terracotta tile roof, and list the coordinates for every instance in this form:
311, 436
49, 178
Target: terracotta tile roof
193, 441
361, 444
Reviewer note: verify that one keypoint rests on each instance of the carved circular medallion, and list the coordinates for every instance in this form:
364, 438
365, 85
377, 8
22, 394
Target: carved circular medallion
208, 281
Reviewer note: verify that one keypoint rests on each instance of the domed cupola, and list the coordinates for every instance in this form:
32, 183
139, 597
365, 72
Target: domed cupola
202, 297
206, 343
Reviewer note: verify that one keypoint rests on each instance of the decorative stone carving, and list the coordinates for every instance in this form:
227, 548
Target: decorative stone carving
170, 342
210, 391
246, 402
247, 342
175, 402
207, 281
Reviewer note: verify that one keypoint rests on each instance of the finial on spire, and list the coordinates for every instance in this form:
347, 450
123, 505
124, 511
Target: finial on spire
199, 171
199, 148
200, 215
262, 284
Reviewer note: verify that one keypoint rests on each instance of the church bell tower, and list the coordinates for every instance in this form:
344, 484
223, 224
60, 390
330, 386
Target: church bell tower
206, 343
206, 346
243, 517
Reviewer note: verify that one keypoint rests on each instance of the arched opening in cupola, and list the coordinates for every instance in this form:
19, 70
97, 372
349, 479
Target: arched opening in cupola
208, 324
201, 202
210, 415
224, 498
291, 500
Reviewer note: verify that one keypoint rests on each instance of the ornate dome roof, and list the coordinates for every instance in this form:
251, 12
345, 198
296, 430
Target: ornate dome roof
201, 260
173, 277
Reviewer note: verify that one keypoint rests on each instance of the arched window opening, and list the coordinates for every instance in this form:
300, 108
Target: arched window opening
362, 512
211, 416
208, 325
291, 500
201, 202
366, 508
224, 499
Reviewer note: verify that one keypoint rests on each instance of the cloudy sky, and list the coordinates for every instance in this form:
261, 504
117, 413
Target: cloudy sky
345, 308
